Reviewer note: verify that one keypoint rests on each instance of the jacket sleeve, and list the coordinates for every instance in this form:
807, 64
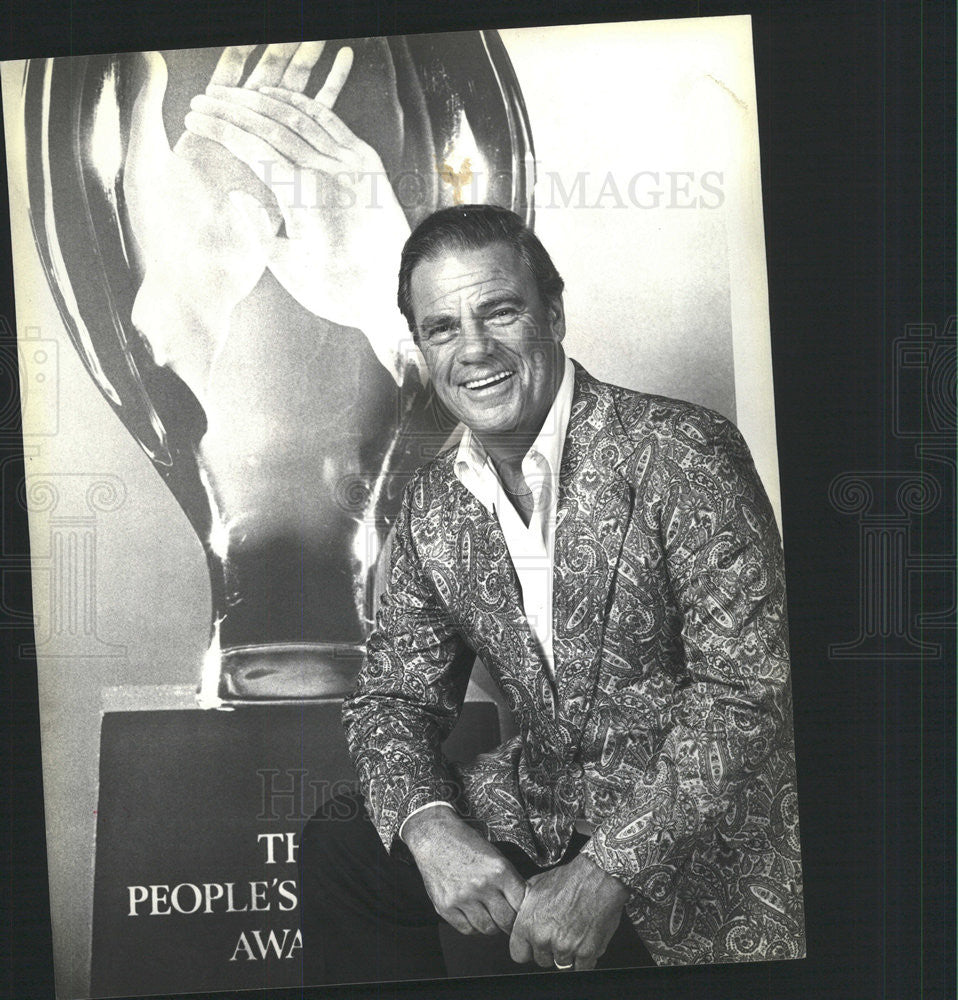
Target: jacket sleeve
731, 714
409, 691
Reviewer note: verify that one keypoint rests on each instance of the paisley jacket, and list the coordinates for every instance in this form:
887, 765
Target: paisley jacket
669, 723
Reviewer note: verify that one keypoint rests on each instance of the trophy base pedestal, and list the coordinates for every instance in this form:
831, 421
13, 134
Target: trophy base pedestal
288, 672
199, 817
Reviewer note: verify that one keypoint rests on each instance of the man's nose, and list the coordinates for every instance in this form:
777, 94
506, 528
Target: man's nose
473, 340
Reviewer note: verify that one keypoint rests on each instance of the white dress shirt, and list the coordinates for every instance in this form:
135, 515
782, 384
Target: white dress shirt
530, 548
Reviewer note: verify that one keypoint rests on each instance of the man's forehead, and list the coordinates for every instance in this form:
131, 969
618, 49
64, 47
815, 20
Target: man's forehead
471, 274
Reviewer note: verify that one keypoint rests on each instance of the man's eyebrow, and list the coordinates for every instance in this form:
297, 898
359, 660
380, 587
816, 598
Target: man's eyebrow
498, 299
437, 317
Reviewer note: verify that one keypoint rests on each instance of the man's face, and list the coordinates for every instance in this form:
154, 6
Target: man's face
491, 343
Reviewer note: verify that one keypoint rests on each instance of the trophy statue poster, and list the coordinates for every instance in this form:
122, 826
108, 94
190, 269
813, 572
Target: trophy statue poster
222, 407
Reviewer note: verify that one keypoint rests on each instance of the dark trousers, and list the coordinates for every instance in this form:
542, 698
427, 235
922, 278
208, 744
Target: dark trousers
366, 916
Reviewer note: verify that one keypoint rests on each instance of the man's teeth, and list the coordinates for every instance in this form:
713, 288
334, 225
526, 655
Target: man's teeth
482, 383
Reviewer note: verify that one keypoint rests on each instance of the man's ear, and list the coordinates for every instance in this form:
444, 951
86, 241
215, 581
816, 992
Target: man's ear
557, 316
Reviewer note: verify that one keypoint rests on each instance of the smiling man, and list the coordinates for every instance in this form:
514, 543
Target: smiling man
491, 341
613, 560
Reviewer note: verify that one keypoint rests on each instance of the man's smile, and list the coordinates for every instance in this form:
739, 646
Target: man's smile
487, 381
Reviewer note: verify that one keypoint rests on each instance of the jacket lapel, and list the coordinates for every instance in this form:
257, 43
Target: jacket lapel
490, 596
594, 509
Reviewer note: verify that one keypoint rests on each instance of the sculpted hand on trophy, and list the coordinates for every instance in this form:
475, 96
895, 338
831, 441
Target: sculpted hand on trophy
343, 227
313, 209
199, 252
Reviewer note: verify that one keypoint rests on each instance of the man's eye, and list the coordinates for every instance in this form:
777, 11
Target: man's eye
439, 331
504, 314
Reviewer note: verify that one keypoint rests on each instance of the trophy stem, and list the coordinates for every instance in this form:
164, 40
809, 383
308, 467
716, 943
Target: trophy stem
208, 693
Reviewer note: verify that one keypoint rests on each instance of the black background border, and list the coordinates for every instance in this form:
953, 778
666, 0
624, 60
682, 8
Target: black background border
856, 106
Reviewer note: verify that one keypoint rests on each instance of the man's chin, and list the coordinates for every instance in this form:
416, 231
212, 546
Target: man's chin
486, 431
486, 419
